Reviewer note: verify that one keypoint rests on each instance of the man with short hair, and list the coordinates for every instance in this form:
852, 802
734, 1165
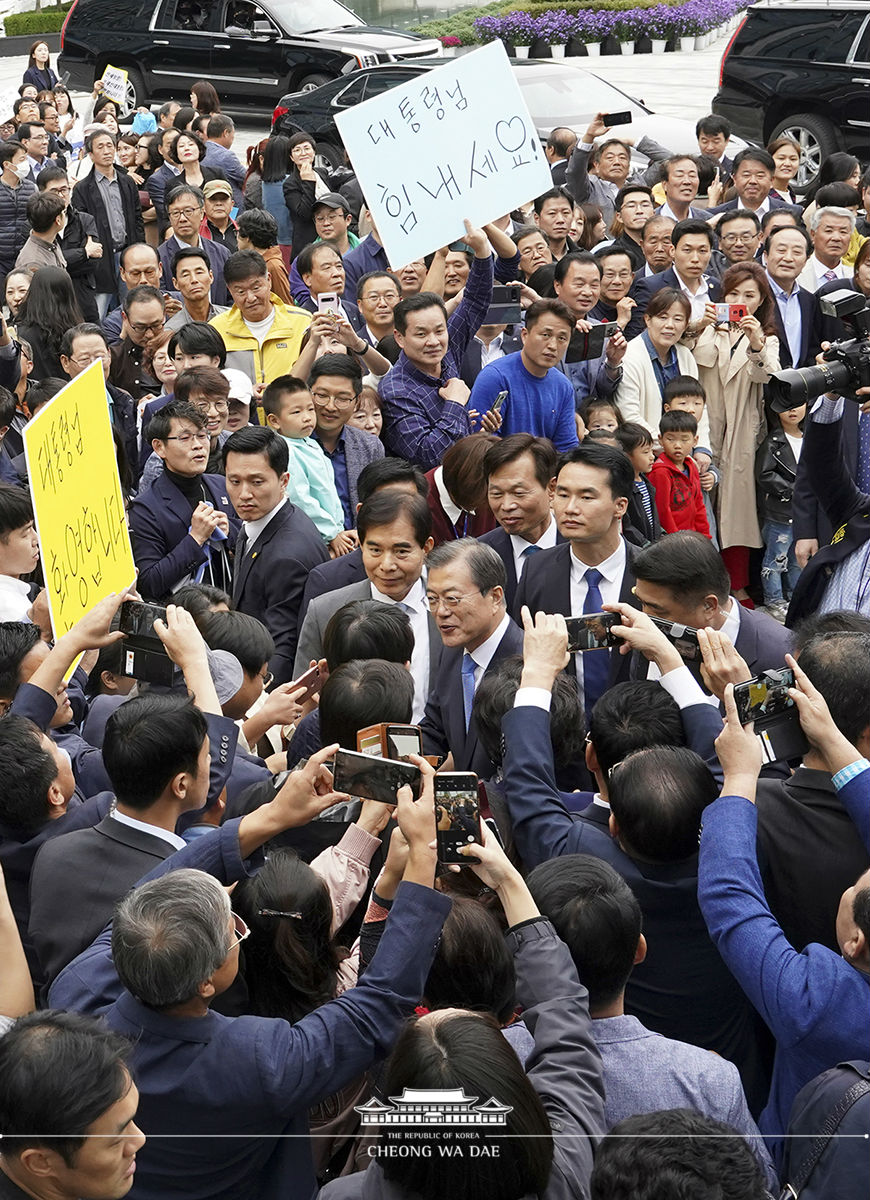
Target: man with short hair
424, 400
612, 159
465, 589
540, 400
656, 244
713, 133
577, 283
193, 278
46, 213
278, 544
219, 224
78, 240
739, 235
185, 206
634, 206
691, 249
533, 247
220, 136
263, 337
752, 171
615, 302
681, 183
786, 250
67, 1109
558, 148
166, 114
332, 220
258, 230
554, 212
321, 270
143, 310
519, 471
112, 199
138, 263
83, 345
830, 232
16, 188
34, 138
377, 294
335, 382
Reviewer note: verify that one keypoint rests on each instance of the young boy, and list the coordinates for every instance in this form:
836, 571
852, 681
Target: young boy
687, 394
675, 477
19, 553
290, 411
641, 524
775, 471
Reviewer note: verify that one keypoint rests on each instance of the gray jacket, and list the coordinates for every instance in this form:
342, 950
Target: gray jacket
14, 226
589, 189
564, 1068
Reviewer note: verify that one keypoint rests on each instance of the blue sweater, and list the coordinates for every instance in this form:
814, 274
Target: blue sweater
544, 407
814, 1002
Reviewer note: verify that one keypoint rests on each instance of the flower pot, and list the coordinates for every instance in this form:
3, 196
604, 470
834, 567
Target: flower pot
521, 51
626, 47
448, 51
700, 41
575, 49
658, 45
687, 44
593, 49
539, 49
558, 49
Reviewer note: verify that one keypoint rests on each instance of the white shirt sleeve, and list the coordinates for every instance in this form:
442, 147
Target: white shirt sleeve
532, 697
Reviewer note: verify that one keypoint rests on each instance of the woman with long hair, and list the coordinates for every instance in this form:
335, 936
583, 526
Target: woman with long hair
39, 71
735, 360
204, 98
48, 310
594, 229
276, 166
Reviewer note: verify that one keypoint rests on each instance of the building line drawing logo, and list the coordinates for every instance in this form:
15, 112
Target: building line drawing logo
435, 1107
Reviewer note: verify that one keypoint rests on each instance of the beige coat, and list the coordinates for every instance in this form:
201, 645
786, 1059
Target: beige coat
734, 383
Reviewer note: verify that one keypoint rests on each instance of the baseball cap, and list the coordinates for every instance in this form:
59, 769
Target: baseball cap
217, 187
331, 200
226, 673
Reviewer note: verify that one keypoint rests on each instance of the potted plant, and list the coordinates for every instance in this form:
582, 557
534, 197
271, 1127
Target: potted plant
450, 44
518, 31
627, 29
598, 28
554, 28
685, 26
659, 25
488, 29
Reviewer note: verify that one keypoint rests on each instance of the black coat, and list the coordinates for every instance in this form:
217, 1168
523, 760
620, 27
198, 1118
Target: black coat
502, 545
775, 473
87, 198
14, 225
82, 270
299, 196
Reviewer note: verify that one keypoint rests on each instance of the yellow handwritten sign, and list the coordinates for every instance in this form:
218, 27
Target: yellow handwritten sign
114, 81
77, 500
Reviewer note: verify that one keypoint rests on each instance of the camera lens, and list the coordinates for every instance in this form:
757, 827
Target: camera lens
791, 388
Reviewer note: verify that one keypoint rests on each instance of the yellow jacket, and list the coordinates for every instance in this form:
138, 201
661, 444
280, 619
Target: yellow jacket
281, 346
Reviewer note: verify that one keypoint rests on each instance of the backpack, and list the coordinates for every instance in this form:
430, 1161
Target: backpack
820, 1161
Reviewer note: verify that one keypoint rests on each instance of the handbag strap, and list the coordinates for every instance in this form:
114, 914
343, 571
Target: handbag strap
792, 1190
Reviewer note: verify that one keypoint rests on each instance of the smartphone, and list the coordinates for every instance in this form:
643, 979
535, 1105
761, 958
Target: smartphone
595, 339
403, 740
498, 402
730, 313
592, 632
370, 778
685, 638
504, 307
137, 619
457, 815
312, 680
764, 696
621, 118
329, 302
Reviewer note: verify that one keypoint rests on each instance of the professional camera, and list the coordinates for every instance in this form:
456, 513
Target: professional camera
847, 365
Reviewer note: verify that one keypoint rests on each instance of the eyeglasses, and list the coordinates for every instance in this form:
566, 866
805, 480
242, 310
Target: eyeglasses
185, 439
221, 407
388, 296
451, 602
240, 929
85, 360
338, 401
152, 327
182, 212
745, 238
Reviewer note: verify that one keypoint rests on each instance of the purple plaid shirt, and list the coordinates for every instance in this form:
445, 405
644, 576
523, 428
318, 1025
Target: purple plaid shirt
418, 425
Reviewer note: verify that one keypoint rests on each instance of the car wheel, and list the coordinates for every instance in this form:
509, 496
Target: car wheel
309, 82
328, 157
817, 138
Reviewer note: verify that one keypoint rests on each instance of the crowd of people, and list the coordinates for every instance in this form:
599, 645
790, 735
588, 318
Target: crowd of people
217, 969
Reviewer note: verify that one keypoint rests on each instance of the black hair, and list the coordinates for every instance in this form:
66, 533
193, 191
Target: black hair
683, 385
209, 381
48, 174
687, 564
738, 214
597, 916
259, 439
28, 771
672, 1153
632, 435
631, 716
628, 190
298, 139
110, 658
485, 567
413, 304
274, 393
177, 190
9, 149
756, 155
160, 425
837, 195
385, 507
188, 252
368, 629
384, 472
676, 420
59, 1072
245, 637
713, 125
219, 123
361, 693
143, 294
44, 391
305, 257
495, 696
589, 404
16, 509
657, 797
149, 740
17, 639
838, 664
337, 365
692, 225
369, 275
198, 337
276, 160
91, 137
198, 598
861, 910
554, 193
259, 227
538, 310
244, 264
583, 258
620, 473
508, 449
838, 621
51, 305
473, 967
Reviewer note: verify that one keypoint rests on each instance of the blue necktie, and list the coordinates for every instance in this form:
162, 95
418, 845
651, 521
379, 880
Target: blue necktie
596, 663
468, 668
862, 475
530, 550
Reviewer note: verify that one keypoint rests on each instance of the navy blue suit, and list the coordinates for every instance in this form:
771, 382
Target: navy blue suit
443, 724
811, 331
217, 255
683, 990
330, 576
164, 551
269, 579
809, 519
246, 1083
643, 289
471, 366
501, 544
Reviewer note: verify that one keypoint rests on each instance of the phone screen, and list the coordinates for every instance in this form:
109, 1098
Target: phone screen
403, 740
592, 632
370, 778
684, 638
457, 815
764, 696
137, 618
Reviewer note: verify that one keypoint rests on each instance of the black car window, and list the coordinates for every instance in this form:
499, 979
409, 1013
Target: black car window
382, 81
191, 15
783, 33
240, 17
837, 45
862, 54
350, 95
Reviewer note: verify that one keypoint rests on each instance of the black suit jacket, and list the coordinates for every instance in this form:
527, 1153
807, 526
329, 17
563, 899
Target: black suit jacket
847, 509
811, 334
443, 725
87, 198
636, 525
269, 579
809, 519
501, 544
470, 366
643, 290
775, 202
546, 587
77, 880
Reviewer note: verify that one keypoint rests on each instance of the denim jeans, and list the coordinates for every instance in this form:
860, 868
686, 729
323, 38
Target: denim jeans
779, 560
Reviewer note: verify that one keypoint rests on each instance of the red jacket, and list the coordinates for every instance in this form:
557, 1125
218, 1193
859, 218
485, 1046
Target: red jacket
679, 499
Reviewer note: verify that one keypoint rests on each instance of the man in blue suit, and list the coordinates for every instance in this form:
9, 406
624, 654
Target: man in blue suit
594, 565
184, 527
465, 588
691, 250
240, 1088
752, 171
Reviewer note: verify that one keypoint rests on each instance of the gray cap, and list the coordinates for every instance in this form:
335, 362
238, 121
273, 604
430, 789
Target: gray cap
331, 200
226, 673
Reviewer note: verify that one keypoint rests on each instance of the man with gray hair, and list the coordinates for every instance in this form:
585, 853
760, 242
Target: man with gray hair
225, 1100
465, 590
830, 232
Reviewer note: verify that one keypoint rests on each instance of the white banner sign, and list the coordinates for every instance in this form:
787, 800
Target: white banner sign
451, 143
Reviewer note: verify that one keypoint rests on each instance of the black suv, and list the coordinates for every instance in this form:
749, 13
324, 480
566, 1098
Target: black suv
252, 53
801, 70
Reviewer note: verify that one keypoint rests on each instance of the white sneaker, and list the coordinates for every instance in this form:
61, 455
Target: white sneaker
778, 609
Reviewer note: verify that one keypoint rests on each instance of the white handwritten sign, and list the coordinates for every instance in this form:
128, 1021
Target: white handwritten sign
115, 84
451, 143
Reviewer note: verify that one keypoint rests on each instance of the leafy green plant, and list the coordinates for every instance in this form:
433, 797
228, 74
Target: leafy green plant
46, 20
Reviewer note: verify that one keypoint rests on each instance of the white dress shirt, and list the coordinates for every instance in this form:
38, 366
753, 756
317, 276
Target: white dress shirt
841, 271
418, 615
789, 306
174, 840
15, 599
253, 529
519, 545
483, 655
612, 571
490, 353
699, 299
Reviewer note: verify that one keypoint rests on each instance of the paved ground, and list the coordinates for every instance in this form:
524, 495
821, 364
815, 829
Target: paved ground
677, 85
